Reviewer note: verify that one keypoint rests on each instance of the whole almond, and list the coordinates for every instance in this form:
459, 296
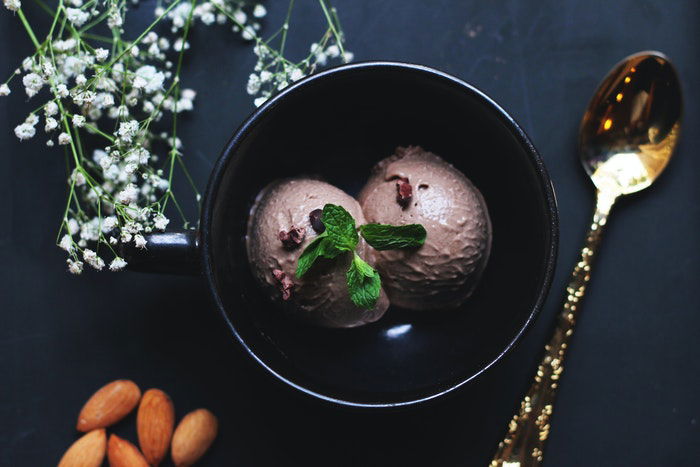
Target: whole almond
155, 421
87, 451
108, 405
121, 453
193, 436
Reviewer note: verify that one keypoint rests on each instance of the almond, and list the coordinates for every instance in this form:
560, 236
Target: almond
121, 453
193, 436
108, 405
88, 451
155, 421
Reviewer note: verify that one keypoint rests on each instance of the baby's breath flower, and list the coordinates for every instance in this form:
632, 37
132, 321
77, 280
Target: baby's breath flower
78, 178
62, 90
64, 138
83, 97
73, 66
248, 33
103, 100
72, 226
179, 44
66, 243
32, 84
266, 76
51, 109
78, 121
184, 105
128, 195
25, 131
12, 5
240, 16
64, 46
49, 143
253, 84
127, 130
32, 119
76, 16
48, 69
117, 264
333, 51
101, 54
149, 79
109, 223
51, 124
139, 241
259, 11
115, 20
296, 74
4, 90
188, 94
160, 221
92, 259
259, 101
75, 267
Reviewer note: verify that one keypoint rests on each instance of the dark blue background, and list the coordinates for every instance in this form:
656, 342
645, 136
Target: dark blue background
630, 392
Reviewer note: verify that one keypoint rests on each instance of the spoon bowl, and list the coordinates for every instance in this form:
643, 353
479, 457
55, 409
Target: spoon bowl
631, 127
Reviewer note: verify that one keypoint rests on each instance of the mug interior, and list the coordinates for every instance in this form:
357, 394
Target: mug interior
338, 124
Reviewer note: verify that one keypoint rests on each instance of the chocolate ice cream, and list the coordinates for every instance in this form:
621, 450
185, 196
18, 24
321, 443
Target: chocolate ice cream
283, 221
416, 186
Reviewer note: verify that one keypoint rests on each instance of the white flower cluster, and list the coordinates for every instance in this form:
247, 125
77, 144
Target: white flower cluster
243, 14
120, 94
273, 72
116, 194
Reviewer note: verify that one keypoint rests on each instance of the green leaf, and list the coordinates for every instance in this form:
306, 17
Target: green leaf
364, 283
320, 247
393, 237
340, 227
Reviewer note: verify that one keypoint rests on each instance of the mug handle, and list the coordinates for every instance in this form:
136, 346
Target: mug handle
174, 252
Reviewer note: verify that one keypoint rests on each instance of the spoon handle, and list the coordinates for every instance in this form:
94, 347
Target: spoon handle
523, 444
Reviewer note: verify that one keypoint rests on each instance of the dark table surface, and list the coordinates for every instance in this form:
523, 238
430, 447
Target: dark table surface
630, 392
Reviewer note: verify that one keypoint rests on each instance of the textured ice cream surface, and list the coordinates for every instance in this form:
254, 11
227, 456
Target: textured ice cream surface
414, 186
279, 229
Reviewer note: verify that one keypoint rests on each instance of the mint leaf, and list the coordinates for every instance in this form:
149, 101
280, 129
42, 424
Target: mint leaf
364, 283
320, 247
393, 237
340, 227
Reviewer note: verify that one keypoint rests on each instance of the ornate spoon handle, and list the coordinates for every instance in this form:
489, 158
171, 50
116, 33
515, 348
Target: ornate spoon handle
523, 445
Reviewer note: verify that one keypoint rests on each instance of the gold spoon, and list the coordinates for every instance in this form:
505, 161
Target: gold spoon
627, 137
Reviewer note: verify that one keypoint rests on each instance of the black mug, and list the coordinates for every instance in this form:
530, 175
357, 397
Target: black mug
338, 124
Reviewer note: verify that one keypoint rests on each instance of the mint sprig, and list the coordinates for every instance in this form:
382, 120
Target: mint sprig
340, 227
340, 236
321, 247
364, 283
393, 237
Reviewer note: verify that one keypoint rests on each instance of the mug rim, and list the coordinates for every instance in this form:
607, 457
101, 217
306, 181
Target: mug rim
229, 153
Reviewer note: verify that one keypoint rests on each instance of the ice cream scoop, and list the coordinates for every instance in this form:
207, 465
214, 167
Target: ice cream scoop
414, 186
283, 221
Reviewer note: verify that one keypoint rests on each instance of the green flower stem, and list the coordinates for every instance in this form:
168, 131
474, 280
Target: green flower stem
285, 26
176, 97
331, 25
28, 28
